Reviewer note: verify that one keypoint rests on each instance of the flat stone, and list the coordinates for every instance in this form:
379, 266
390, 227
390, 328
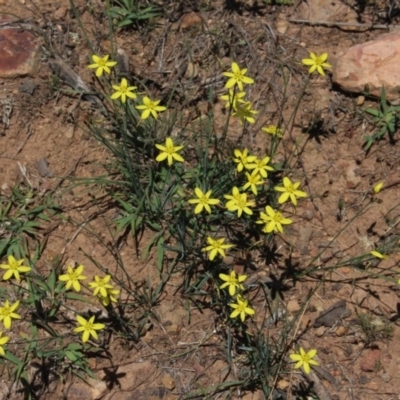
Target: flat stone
370, 66
327, 11
18, 53
28, 85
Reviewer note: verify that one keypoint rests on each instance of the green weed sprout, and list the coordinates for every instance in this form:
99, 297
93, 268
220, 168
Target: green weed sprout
126, 13
385, 117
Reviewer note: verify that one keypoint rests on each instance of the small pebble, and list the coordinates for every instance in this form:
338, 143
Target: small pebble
341, 331
360, 100
308, 215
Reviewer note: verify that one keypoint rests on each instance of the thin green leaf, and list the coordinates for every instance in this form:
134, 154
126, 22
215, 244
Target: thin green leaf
51, 280
76, 296
160, 253
71, 356
15, 360
373, 111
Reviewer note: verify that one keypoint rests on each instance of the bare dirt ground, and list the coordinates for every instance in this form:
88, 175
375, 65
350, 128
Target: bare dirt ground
175, 356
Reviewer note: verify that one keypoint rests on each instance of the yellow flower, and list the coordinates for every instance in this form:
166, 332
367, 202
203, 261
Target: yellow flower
102, 64
72, 277
378, 187
150, 107
169, 151
252, 181
3, 341
304, 359
100, 285
216, 246
241, 308
237, 77
123, 91
238, 202
203, 201
232, 98
234, 197
7, 313
233, 282
379, 255
316, 63
244, 112
243, 159
14, 267
260, 165
110, 298
272, 130
290, 190
273, 220
88, 327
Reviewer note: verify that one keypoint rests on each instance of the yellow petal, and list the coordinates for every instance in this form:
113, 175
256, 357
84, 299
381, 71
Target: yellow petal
81, 320
308, 61
323, 57
306, 367
312, 353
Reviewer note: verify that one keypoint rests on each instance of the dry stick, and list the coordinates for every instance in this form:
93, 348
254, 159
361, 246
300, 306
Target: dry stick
29, 132
338, 24
390, 185
24, 174
319, 388
67, 74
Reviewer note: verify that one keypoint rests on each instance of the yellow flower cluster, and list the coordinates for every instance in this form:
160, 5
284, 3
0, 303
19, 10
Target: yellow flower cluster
7, 311
102, 290
235, 97
259, 167
234, 283
123, 91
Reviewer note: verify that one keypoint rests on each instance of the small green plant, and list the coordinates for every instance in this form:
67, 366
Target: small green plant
131, 12
375, 328
21, 215
385, 117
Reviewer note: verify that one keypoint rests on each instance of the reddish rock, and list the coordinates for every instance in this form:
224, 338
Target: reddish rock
370, 65
6, 18
18, 53
191, 19
371, 361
